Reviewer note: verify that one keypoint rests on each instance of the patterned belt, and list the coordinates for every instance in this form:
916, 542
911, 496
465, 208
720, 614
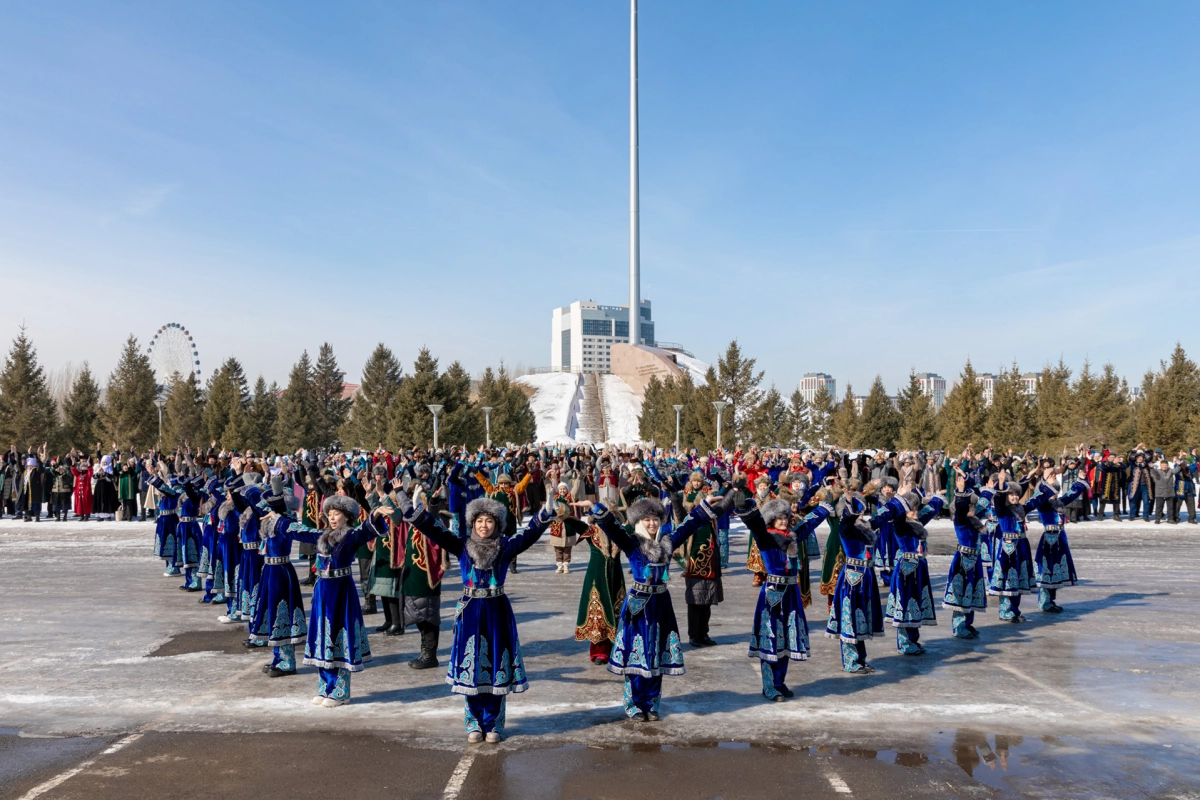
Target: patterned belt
276, 560
649, 588
860, 563
480, 594
968, 551
782, 580
1052, 528
189, 519
343, 572
251, 546
910, 556
1008, 537
167, 513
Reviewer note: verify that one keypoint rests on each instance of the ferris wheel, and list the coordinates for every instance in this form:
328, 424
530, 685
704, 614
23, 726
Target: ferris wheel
173, 350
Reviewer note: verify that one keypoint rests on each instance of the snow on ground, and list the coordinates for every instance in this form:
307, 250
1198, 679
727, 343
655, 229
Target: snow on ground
622, 407
693, 366
554, 404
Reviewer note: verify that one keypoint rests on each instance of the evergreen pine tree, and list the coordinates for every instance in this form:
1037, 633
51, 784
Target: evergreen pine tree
28, 416
962, 417
329, 385
1170, 398
262, 415
1009, 422
843, 424
81, 410
737, 382
820, 417
879, 424
512, 418
128, 415
227, 389
183, 413
653, 399
1053, 408
410, 422
367, 422
768, 425
461, 421
799, 433
918, 424
294, 426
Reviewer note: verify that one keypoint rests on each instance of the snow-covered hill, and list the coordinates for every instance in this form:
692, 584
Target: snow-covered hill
555, 404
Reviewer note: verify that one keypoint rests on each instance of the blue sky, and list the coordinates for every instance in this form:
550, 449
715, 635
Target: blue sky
849, 188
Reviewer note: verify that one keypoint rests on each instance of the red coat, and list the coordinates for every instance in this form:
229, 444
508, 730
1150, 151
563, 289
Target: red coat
83, 490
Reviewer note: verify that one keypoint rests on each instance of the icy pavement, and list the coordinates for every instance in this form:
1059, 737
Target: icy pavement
97, 641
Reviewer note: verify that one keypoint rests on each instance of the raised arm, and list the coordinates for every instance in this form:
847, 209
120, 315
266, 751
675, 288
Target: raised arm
537, 525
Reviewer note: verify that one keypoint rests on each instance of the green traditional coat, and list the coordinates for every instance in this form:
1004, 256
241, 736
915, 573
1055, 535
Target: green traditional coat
831, 565
603, 590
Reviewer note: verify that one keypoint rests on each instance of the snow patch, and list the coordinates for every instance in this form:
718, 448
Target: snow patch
555, 403
692, 366
622, 407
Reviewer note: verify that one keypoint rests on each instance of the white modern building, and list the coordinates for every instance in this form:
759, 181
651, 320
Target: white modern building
812, 382
933, 386
988, 381
1030, 379
583, 333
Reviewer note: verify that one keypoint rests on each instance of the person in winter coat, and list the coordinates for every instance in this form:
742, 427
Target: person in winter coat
1163, 482
1141, 488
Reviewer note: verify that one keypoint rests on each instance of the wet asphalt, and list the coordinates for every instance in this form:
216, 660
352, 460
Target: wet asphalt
961, 763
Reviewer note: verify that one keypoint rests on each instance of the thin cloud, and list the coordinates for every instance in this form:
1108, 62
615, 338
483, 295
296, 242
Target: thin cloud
146, 201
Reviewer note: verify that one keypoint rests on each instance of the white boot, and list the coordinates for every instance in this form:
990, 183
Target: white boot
474, 737
493, 737
225, 619
331, 703
318, 700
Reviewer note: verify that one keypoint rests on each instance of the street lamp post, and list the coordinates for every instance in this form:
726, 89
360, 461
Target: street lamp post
678, 408
487, 424
719, 405
159, 402
436, 409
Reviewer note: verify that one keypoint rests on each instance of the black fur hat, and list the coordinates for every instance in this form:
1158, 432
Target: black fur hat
646, 507
486, 506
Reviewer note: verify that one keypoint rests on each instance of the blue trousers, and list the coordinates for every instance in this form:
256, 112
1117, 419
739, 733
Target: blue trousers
1046, 598
774, 677
854, 656
335, 683
723, 546
484, 713
961, 623
1010, 607
907, 641
1139, 499
642, 695
285, 659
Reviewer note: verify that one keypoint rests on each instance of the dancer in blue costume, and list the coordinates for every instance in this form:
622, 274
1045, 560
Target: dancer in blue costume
229, 551
647, 645
178, 506
485, 659
337, 639
212, 562
910, 596
1053, 566
855, 613
245, 493
278, 620
1012, 565
166, 524
885, 534
779, 633
966, 584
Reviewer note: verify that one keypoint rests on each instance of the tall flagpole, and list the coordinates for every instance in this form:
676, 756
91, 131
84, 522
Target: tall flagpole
635, 269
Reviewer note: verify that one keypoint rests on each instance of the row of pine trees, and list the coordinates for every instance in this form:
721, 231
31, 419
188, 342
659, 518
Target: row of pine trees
1090, 407
390, 407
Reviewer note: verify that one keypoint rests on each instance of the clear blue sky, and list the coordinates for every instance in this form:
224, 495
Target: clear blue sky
851, 188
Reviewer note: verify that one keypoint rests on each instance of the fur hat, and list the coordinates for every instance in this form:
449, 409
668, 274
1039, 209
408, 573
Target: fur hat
339, 502
774, 509
504, 477
644, 508
850, 507
486, 506
796, 477
912, 500
889, 481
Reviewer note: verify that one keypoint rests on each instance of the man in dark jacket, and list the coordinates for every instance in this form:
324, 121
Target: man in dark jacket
1163, 478
1141, 487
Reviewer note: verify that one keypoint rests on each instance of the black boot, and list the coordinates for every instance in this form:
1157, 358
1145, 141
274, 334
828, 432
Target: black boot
429, 644
397, 628
387, 617
371, 607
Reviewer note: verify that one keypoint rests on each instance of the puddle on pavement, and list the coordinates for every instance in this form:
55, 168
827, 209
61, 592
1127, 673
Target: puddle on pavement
1006, 762
220, 641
